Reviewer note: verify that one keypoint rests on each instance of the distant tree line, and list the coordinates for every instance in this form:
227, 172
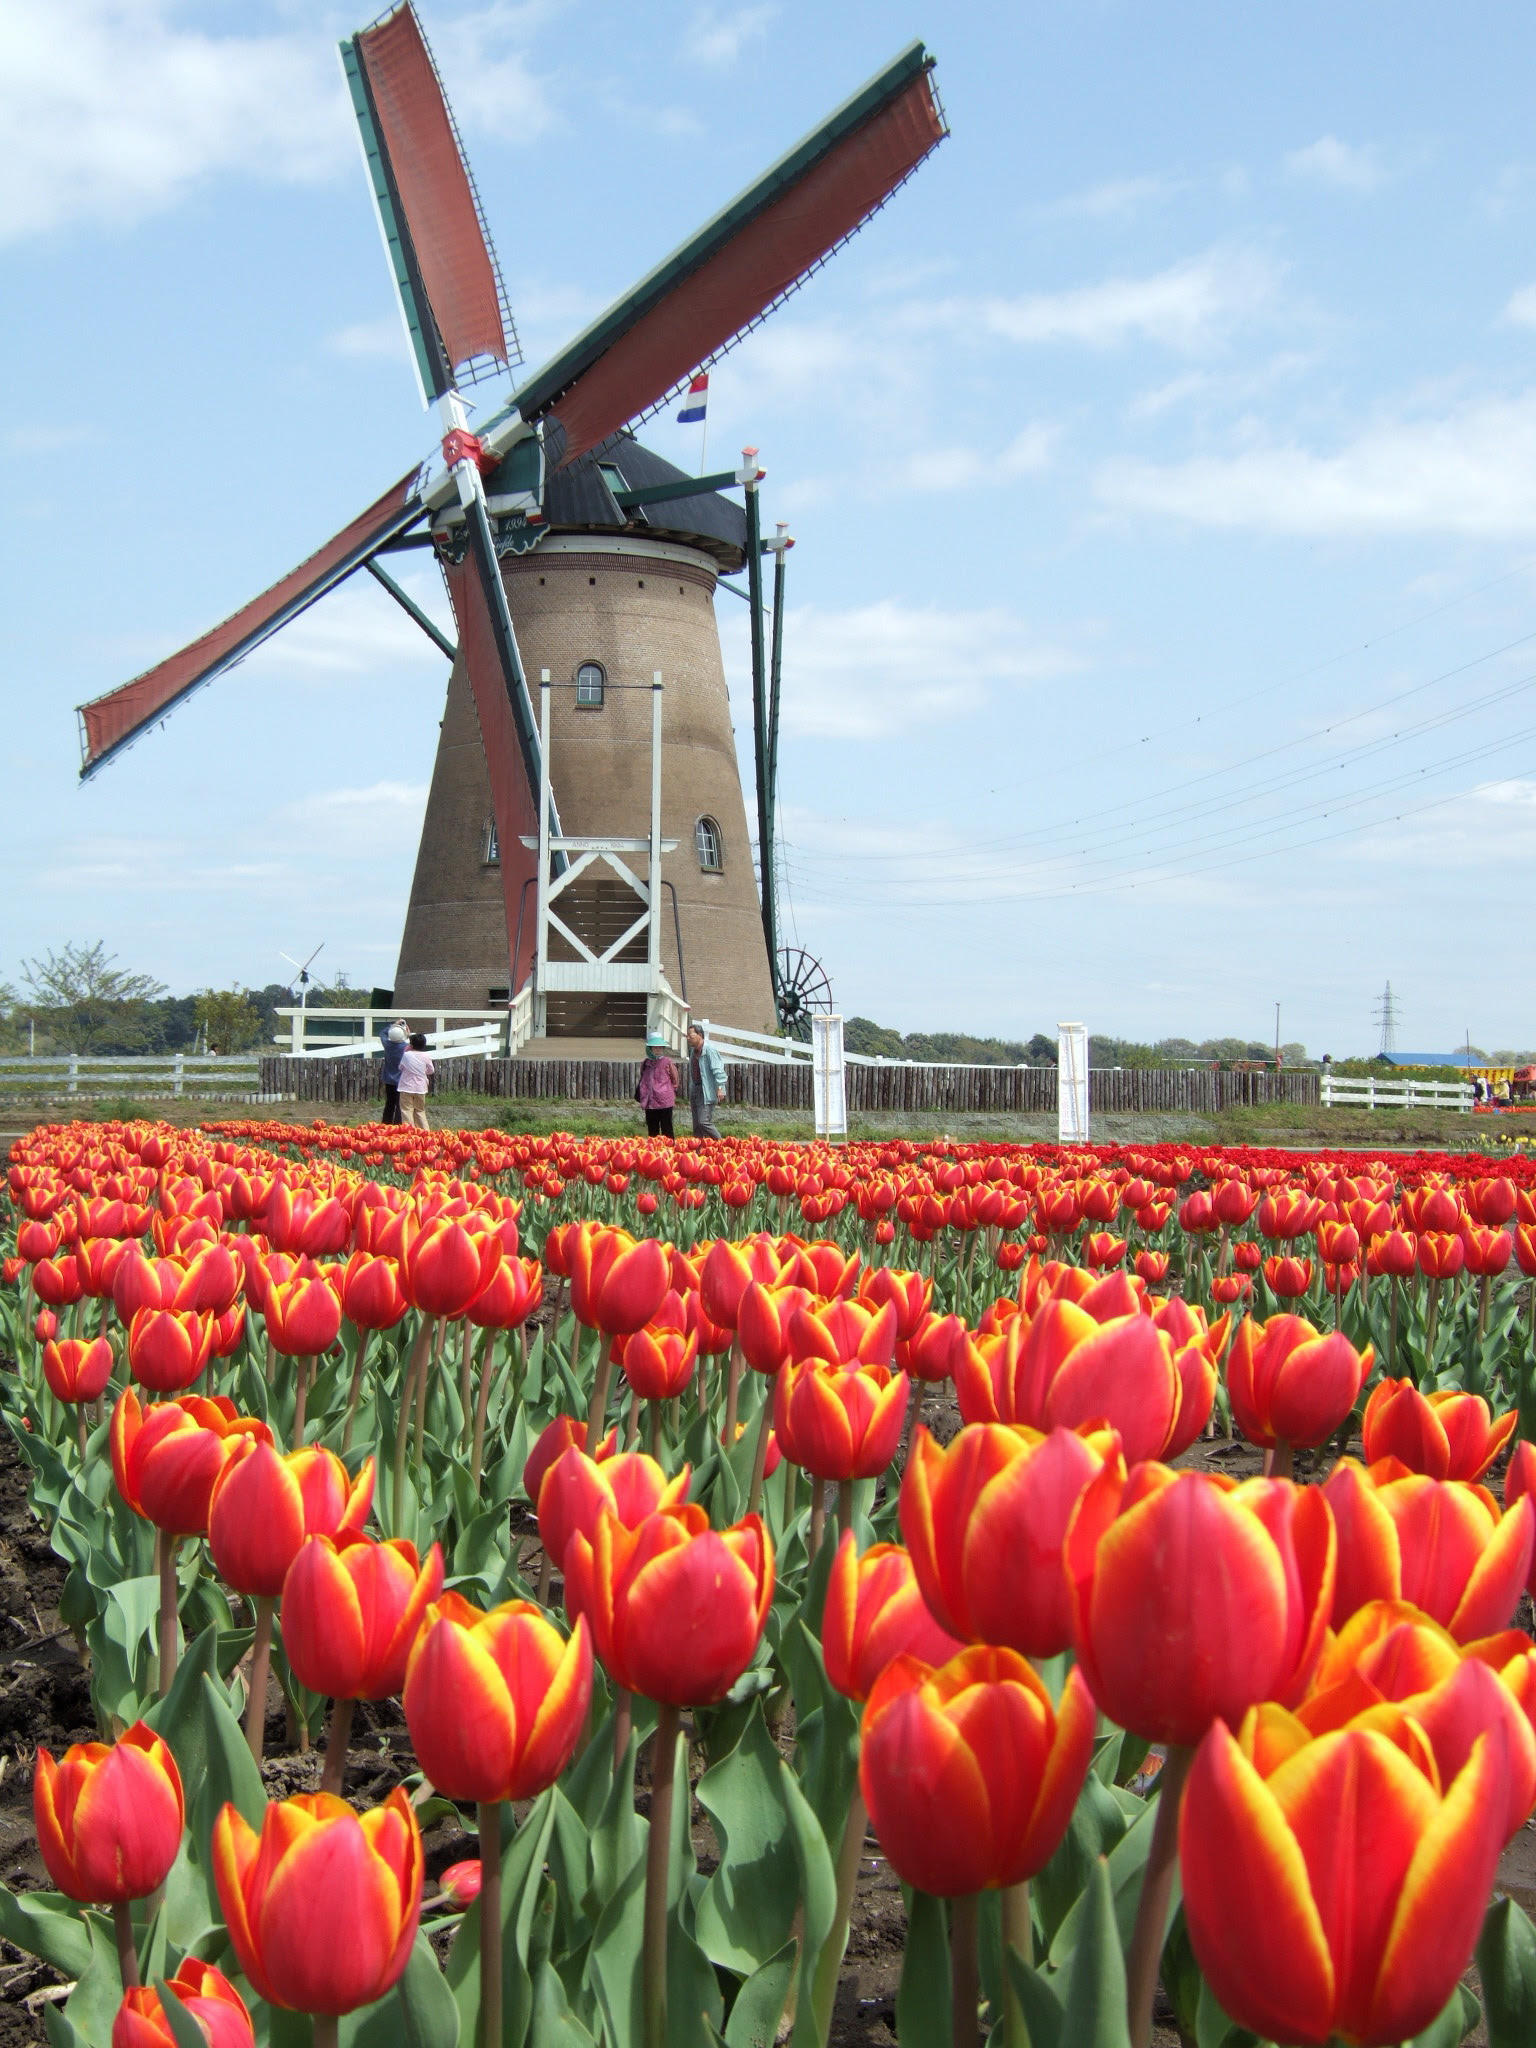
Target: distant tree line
959, 1048
79, 1000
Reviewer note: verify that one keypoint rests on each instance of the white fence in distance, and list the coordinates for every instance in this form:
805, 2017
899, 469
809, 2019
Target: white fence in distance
1365, 1091
145, 1077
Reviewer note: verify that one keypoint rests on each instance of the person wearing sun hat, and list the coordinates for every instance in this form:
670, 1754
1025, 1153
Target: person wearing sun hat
657, 1092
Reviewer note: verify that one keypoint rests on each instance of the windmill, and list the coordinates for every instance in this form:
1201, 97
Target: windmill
569, 548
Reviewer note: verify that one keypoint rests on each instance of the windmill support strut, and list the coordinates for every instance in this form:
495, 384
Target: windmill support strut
412, 609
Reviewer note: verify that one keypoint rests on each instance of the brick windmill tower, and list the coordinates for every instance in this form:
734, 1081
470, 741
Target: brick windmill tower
572, 552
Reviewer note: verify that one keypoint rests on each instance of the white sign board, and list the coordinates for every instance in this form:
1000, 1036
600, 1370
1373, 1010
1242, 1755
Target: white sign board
828, 1076
1072, 1084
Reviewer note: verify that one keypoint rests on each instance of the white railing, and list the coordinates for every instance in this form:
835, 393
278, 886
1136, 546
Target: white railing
755, 1048
1351, 1091
146, 1076
354, 1034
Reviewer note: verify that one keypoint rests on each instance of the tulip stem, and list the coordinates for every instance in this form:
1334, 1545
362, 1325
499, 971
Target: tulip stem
327, 2029
597, 1412
169, 1592
261, 1663
489, 1816
1431, 1323
1152, 1907
1019, 1934
127, 1947
830, 1962
81, 1433
465, 1360
658, 1858
423, 1386
844, 1507
414, 1363
655, 1409
300, 1399
482, 1408
1282, 1459
333, 1774
354, 1392
760, 1448
732, 1392
818, 1516
623, 1722
964, 1981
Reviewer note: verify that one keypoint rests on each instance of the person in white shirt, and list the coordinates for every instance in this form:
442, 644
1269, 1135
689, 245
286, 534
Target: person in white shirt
416, 1071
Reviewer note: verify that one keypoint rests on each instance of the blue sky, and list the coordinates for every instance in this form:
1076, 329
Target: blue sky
1162, 463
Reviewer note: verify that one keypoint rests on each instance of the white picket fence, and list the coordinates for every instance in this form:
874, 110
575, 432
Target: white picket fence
146, 1077
354, 1034
1355, 1091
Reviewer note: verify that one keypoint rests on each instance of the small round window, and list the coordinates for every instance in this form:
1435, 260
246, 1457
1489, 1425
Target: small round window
589, 685
711, 848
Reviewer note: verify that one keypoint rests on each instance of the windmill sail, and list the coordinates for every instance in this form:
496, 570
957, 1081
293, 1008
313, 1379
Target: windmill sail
733, 271
445, 269
112, 722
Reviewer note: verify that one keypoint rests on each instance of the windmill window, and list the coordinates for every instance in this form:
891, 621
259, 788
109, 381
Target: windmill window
613, 477
589, 686
490, 846
711, 845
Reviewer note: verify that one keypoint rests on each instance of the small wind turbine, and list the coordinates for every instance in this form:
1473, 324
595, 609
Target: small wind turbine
303, 972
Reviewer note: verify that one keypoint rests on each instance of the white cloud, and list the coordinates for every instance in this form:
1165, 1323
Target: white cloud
359, 630
717, 36
1115, 199
486, 72
110, 110
1224, 387
1520, 311
349, 823
875, 670
384, 338
1347, 167
1470, 471
45, 439
1190, 307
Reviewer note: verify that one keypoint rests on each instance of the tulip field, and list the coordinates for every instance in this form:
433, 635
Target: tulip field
530, 1588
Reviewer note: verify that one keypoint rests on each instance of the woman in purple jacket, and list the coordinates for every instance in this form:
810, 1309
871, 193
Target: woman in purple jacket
657, 1092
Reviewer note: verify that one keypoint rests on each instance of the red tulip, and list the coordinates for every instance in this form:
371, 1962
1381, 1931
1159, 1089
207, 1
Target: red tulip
1437, 1543
495, 1703
1193, 1597
371, 1295
77, 1368
447, 1265
576, 1489
554, 1440
1287, 1277
843, 1333
303, 1315
351, 1612
513, 1293
763, 1317
264, 1505
1445, 1435
875, 1613
109, 1818
322, 1907
166, 1458
839, 1421
659, 1362
169, 1349
617, 1285
206, 1993
677, 1608
1392, 1253
969, 1773
1441, 1256
910, 1294
1289, 1383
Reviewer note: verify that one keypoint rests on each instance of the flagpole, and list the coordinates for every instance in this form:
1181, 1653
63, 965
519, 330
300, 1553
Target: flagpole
703, 437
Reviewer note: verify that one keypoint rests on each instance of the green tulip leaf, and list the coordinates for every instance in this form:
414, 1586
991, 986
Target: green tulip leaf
49, 1926
1098, 1825
92, 2005
1213, 2029
178, 1718
1506, 1962
1039, 2001
1127, 1861
818, 1891
922, 2001
748, 1904
229, 1776
184, 2029
1093, 2002
759, 2004
1452, 2024
618, 1839
554, 2025
419, 2013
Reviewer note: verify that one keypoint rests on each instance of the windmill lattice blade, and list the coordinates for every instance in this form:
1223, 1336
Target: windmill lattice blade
513, 799
112, 722
722, 281
441, 242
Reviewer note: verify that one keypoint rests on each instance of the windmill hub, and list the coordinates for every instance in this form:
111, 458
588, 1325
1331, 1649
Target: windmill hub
567, 547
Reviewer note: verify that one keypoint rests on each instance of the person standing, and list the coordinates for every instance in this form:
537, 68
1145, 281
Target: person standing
416, 1070
657, 1092
394, 1052
706, 1082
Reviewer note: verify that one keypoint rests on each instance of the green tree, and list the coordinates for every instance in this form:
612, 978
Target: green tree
229, 1020
88, 1003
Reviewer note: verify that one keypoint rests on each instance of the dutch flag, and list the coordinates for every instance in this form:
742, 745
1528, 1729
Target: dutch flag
696, 403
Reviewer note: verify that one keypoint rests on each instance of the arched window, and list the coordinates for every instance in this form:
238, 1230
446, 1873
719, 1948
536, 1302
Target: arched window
490, 846
710, 844
589, 685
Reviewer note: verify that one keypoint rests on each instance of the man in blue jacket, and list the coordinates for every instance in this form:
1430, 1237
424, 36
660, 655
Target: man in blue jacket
706, 1082
395, 1040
